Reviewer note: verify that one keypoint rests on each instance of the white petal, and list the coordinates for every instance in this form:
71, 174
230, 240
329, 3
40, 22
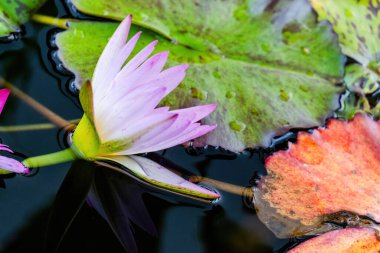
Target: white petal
158, 175
177, 140
200, 111
119, 61
137, 129
106, 68
137, 60
148, 71
150, 140
125, 113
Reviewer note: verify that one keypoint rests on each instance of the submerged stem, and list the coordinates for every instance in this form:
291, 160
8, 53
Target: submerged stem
62, 156
47, 20
32, 127
44, 111
227, 187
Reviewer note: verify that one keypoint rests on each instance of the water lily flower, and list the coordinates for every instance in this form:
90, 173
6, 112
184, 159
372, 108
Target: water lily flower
7, 164
121, 118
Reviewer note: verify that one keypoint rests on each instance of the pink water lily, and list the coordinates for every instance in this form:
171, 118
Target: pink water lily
121, 118
6, 163
125, 98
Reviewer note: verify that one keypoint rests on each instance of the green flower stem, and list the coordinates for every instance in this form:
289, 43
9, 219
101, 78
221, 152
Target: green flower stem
44, 111
57, 22
62, 156
63, 23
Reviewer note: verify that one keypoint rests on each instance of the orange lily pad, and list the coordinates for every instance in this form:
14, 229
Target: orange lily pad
349, 240
330, 177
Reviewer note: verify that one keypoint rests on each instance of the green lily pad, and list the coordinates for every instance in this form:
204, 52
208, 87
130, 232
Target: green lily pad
13, 13
267, 64
356, 103
357, 25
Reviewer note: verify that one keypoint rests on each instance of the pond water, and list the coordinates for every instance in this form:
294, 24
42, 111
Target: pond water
183, 225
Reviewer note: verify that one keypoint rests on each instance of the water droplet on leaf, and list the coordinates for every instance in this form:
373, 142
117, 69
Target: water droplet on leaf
237, 125
304, 88
348, 13
216, 74
284, 96
198, 93
230, 94
266, 47
305, 50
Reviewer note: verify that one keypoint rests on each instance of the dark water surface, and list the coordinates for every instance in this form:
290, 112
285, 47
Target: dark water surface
227, 225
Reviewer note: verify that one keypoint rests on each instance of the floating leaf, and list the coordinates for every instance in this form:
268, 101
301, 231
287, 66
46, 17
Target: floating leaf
356, 103
361, 80
349, 240
13, 13
352, 103
330, 176
357, 25
269, 67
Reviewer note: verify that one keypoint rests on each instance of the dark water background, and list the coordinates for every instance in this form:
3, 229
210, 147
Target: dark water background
228, 225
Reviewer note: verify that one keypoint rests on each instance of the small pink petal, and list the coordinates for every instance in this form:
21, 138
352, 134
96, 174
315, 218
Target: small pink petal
6, 148
162, 109
199, 131
169, 79
118, 63
127, 49
143, 74
192, 132
173, 76
125, 83
127, 114
170, 82
199, 111
106, 69
4, 93
126, 105
13, 165
147, 141
138, 59
148, 138
182, 130
135, 130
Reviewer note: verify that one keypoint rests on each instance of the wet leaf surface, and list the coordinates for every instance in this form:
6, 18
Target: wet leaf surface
13, 13
330, 178
349, 240
271, 57
357, 25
